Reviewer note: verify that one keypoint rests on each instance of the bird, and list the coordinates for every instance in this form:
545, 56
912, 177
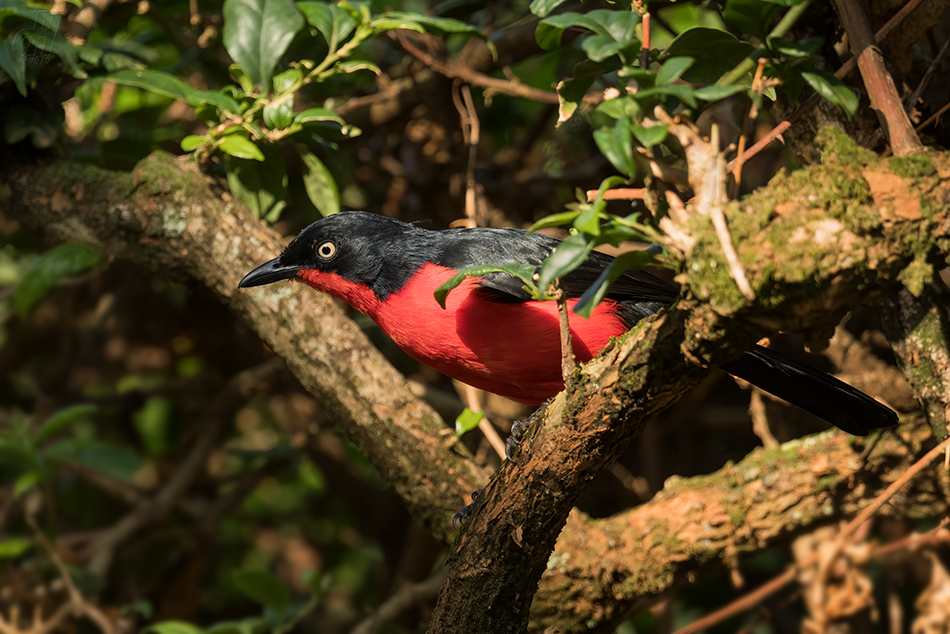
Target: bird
492, 334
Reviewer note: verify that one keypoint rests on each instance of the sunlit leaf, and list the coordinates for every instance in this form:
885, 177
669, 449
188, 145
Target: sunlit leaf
566, 257
524, 272
241, 147
467, 421
601, 286
10, 548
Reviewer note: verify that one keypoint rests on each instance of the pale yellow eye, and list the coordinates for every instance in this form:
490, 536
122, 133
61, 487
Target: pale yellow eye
326, 250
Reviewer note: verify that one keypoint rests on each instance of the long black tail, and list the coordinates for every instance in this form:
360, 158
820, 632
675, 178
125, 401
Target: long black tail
816, 392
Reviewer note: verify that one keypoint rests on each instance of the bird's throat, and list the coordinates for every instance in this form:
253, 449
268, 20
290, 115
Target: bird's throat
357, 295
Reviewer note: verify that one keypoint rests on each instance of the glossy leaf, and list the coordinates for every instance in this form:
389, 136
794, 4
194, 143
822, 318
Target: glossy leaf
616, 143
648, 137
264, 588
571, 91
524, 272
831, 88
715, 93
555, 220
424, 23
673, 69
467, 421
708, 68
750, 16
543, 8
257, 33
566, 257
601, 286
171, 86
47, 269
241, 147
320, 185
797, 48
333, 22
192, 142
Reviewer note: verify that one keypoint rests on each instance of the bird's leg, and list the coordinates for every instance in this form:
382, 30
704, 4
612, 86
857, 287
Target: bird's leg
517, 429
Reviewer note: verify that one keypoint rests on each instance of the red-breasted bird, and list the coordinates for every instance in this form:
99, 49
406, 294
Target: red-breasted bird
491, 334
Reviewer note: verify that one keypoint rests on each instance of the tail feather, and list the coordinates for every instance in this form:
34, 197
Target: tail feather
816, 392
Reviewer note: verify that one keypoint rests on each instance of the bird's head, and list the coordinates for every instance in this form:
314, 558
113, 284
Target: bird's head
349, 255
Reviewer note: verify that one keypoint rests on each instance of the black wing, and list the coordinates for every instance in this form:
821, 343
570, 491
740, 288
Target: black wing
637, 293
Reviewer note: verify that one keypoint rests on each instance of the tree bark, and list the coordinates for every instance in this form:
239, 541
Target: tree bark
813, 244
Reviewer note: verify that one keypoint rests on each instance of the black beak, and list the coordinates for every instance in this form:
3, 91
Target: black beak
269, 272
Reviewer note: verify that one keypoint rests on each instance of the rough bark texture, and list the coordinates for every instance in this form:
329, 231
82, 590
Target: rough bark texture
813, 244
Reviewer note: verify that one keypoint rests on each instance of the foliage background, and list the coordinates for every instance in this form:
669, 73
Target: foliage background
161, 468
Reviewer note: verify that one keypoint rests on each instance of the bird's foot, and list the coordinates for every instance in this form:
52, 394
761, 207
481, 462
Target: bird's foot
518, 428
466, 511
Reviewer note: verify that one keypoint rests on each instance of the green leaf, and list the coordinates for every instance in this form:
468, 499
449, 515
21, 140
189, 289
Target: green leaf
589, 220
348, 66
49, 40
566, 257
331, 20
571, 91
173, 627
681, 91
241, 147
264, 588
318, 114
750, 16
423, 23
524, 272
26, 482
543, 8
260, 186
799, 48
257, 33
467, 421
192, 142
321, 187
616, 143
13, 61
648, 137
831, 88
48, 269
166, 84
279, 114
598, 290
614, 32
554, 220
60, 419
11, 548
673, 69
112, 460
715, 93
715, 52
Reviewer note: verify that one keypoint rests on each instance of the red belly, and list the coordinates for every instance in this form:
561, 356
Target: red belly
510, 349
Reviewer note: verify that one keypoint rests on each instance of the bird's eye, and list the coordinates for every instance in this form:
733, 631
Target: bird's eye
326, 250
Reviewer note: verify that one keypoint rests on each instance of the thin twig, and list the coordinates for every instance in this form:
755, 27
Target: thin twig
472, 400
468, 119
621, 193
568, 363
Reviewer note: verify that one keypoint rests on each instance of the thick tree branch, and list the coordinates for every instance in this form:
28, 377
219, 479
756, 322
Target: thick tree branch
813, 244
